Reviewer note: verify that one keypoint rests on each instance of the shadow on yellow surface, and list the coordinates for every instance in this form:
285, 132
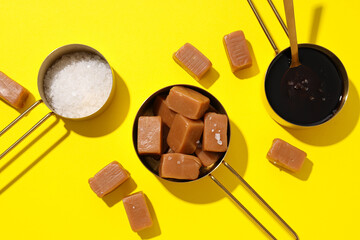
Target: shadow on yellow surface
303, 174
110, 119
251, 71
209, 78
315, 24
336, 129
204, 190
37, 160
119, 193
154, 230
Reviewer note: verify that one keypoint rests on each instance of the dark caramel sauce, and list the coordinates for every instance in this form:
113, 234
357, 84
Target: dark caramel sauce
306, 95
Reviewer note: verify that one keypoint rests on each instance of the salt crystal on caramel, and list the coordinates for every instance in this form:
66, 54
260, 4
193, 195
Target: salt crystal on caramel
285, 155
215, 132
237, 51
149, 135
187, 102
108, 178
12, 92
179, 166
184, 134
192, 61
137, 211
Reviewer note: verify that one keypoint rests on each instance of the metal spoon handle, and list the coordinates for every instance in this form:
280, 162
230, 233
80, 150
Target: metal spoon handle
290, 20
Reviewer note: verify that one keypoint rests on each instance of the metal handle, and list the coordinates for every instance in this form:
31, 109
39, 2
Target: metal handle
20, 116
241, 206
248, 187
28, 132
263, 27
278, 17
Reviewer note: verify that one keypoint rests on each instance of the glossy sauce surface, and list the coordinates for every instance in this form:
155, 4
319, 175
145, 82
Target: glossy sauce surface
307, 95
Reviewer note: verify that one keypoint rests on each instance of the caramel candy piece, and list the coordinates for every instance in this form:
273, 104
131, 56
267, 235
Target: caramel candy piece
215, 132
237, 51
179, 166
211, 109
184, 134
149, 135
161, 109
285, 155
207, 158
137, 211
108, 178
192, 61
12, 92
187, 102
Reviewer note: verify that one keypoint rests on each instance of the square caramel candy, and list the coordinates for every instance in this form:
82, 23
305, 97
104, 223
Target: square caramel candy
215, 132
286, 156
207, 158
187, 102
192, 61
137, 211
12, 92
237, 51
184, 134
149, 137
179, 166
108, 178
161, 109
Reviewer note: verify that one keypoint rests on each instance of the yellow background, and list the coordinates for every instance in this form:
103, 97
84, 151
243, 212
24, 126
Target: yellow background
44, 192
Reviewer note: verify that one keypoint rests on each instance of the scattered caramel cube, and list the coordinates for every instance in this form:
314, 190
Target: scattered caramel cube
108, 178
286, 156
12, 92
192, 61
137, 211
237, 51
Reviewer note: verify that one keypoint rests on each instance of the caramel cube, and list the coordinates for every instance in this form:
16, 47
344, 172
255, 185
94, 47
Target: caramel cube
192, 61
12, 92
149, 135
184, 134
108, 178
286, 156
237, 51
161, 109
179, 166
187, 102
207, 158
137, 211
215, 132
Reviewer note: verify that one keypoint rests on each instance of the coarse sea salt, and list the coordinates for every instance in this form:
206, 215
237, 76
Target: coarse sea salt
218, 138
78, 84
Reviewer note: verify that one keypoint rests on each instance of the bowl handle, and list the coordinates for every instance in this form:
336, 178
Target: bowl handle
28, 132
248, 187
